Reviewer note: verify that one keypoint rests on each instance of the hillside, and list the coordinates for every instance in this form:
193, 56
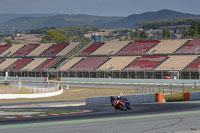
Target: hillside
132, 20
40, 20
176, 22
56, 21
9, 16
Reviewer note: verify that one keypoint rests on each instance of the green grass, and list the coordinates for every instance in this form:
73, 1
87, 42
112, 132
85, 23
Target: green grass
80, 93
178, 95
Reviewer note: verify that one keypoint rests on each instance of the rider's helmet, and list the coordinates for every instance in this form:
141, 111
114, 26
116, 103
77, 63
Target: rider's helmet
118, 97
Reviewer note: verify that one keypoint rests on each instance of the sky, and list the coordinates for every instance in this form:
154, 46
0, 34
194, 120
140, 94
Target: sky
97, 7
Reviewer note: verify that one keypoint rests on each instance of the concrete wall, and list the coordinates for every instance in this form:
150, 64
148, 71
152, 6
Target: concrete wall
133, 99
40, 95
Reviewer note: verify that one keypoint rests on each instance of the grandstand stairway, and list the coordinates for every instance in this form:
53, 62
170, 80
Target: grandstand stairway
160, 63
130, 63
103, 62
47, 64
20, 64
123, 48
175, 52
193, 64
76, 63
151, 47
54, 49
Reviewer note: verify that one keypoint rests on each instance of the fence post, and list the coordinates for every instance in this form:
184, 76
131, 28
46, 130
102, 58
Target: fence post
183, 89
171, 90
195, 86
163, 91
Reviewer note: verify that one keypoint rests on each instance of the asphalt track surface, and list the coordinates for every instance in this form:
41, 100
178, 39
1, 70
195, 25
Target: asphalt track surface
148, 118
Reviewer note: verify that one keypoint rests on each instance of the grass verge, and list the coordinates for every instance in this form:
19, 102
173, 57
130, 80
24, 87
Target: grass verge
80, 93
13, 113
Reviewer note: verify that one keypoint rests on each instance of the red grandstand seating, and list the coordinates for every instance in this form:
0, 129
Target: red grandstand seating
19, 64
137, 47
54, 49
4, 47
195, 66
25, 50
90, 63
192, 46
91, 48
146, 63
47, 64
2, 60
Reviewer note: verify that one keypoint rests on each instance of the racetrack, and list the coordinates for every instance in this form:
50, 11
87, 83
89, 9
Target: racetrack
150, 118
144, 118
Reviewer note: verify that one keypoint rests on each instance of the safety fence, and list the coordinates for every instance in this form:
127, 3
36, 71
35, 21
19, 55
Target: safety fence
133, 99
129, 74
22, 87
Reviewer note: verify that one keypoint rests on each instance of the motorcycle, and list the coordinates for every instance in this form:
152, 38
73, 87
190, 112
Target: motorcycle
121, 104
128, 105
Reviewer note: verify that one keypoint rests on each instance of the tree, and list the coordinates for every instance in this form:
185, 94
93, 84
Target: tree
8, 41
143, 35
166, 34
55, 37
132, 36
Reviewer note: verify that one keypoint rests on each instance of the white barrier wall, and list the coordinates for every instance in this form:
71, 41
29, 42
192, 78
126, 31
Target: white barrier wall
40, 95
195, 95
133, 99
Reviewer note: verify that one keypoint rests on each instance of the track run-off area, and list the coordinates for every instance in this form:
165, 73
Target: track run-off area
155, 118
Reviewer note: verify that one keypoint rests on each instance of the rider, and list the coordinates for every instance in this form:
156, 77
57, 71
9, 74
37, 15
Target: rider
118, 99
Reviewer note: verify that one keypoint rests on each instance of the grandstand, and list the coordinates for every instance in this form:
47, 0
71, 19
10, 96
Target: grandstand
54, 49
35, 63
113, 63
146, 63
194, 65
8, 62
118, 59
40, 49
4, 47
191, 47
47, 64
16, 66
110, 48
167, 46
70, 63
176, 62
90, 63
10, 51
25, 50
67, 49
138, 47
91, 48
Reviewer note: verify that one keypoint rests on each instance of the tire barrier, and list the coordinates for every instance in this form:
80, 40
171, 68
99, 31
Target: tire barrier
133, 99
191, 96
195, 95
187, 96
159, 97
